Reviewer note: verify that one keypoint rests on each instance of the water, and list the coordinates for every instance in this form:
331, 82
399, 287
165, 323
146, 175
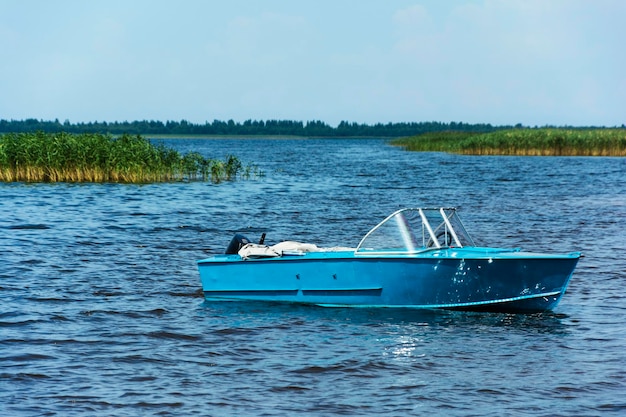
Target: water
102, 314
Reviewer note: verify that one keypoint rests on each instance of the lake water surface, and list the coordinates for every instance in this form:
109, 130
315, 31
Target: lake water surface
101, 309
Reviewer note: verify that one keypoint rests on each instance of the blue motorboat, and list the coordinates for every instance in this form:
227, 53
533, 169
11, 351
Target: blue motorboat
415, 258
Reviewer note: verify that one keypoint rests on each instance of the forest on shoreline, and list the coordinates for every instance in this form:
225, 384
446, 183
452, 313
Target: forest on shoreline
314, 128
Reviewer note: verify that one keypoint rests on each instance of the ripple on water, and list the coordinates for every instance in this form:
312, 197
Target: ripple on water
103, 314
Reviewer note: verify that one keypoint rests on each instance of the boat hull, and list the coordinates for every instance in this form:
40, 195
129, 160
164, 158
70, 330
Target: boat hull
477, 279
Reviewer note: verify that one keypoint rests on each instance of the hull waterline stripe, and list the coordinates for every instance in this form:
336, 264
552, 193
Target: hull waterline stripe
333, 292
293, 292
247, 293
451, 305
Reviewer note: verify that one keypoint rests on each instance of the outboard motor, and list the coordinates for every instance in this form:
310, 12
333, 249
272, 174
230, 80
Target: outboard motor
237, 242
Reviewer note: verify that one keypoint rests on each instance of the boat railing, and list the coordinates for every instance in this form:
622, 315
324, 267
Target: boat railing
416, 230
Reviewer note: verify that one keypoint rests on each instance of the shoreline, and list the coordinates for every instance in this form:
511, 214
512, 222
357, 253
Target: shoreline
257, 137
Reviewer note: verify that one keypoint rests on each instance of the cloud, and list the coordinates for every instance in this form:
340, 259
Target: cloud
511, 59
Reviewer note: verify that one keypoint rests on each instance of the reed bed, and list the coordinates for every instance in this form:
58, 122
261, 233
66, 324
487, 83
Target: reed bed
65, 157
523, 142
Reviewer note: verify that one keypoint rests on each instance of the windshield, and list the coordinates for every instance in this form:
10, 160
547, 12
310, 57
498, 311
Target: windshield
417, 229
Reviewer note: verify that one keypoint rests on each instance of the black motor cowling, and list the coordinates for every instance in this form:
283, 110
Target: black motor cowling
237, 242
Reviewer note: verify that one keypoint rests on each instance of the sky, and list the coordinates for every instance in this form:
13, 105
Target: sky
534, 62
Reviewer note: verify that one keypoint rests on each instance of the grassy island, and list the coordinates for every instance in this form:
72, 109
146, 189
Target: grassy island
544, 141
93, 157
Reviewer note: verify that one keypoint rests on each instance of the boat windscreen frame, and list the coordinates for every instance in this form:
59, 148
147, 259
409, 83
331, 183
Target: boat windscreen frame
448, 226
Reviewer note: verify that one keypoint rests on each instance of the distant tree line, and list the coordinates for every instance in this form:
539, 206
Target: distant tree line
313, 128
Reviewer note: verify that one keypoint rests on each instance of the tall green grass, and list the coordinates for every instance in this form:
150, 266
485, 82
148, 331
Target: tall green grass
64, 157
544, 141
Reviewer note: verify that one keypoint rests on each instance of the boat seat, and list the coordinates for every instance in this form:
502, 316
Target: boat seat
291, 246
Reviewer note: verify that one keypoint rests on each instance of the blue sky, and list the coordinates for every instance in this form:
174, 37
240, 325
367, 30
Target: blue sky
535, 62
